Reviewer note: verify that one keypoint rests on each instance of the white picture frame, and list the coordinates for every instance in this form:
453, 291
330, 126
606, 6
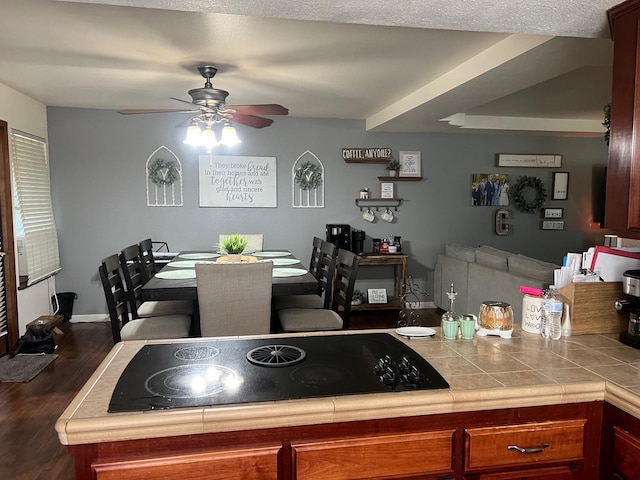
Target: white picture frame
410, 164
386, 190
377, 295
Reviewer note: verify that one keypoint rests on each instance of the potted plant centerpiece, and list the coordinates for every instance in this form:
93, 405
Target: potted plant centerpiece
233, 246
393, 166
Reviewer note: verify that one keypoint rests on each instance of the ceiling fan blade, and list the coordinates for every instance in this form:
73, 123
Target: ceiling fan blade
152, 110
251, 120
261, 109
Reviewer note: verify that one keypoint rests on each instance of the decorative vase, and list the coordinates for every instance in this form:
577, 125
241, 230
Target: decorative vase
393, 173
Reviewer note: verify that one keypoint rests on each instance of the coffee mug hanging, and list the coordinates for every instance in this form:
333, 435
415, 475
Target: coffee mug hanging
528, 194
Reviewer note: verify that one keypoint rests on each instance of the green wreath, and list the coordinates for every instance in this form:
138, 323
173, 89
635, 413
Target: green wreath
308, 176
518, 194
163, 172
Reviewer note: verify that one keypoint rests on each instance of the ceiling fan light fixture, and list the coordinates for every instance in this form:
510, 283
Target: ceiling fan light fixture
208, 138
229, 135
194, 135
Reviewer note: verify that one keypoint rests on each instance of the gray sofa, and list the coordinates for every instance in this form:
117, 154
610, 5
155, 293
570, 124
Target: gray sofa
486, 273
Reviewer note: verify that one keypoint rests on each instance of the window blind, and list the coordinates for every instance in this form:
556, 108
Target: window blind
33, 207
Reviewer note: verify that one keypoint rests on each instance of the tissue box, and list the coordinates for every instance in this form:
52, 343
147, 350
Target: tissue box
591, 307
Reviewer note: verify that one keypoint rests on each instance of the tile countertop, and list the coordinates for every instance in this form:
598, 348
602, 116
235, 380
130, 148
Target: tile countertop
484, 373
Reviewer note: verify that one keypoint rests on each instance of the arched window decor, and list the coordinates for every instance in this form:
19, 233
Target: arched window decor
164, 179
307, 181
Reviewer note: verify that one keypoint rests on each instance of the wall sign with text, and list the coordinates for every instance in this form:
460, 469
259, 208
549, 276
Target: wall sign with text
227, 181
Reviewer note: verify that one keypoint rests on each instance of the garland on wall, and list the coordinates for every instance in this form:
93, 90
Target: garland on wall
163, 172
308, 176
521, 194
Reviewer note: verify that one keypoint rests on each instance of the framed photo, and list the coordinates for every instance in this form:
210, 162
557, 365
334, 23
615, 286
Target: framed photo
377, 295
552, 212
560, 186
489, 190
410, 164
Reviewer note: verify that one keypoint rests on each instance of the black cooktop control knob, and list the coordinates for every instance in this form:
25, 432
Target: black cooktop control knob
414, 376
405, 364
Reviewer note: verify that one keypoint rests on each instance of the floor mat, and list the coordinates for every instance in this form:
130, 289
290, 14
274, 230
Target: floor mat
23, 367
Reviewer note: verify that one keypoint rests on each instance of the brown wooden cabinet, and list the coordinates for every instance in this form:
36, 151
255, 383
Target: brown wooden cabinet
622, 211
472, 445
620, 453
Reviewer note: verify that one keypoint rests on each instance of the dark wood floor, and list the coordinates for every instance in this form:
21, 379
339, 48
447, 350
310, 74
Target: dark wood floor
29, 446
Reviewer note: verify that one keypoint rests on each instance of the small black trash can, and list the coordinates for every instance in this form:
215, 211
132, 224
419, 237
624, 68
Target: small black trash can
63, 302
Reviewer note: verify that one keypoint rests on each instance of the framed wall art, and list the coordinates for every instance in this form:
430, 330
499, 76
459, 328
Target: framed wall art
489, 190
410, 164
560, 186
552, 212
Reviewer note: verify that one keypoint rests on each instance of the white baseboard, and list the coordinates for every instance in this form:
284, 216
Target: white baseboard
89, 318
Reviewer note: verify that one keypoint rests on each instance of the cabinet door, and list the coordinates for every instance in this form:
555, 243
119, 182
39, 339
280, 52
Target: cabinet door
238, 464
389, 456
626, 453
526, 444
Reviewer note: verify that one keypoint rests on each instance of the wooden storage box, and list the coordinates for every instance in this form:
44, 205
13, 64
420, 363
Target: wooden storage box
591, 307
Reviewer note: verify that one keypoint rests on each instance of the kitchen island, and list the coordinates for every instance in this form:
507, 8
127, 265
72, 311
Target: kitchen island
522, 389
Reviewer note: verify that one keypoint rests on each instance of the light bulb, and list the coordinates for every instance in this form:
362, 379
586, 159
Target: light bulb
229, 136
208, 138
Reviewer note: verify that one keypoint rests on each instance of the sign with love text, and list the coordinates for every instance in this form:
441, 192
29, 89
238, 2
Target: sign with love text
237, 181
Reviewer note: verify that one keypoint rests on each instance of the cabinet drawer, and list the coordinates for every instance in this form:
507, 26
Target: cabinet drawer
238, 464
626, 457
488, 447
388, 456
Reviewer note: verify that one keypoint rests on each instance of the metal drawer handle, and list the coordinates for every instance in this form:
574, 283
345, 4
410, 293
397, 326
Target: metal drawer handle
538, 449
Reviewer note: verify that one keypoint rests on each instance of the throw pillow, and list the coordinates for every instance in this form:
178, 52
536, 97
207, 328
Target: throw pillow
492, 257
530, 267
461, 252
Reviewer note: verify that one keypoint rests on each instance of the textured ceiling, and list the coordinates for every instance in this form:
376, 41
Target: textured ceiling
401, 66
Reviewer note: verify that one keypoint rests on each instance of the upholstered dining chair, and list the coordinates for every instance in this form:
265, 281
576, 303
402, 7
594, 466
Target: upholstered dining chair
134, 275
122, 328
322, 266
254, 240
335, 318
234, 298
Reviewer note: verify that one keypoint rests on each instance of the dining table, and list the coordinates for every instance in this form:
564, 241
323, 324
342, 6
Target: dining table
177, 279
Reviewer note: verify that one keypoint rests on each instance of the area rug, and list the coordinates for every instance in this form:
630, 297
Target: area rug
23, 367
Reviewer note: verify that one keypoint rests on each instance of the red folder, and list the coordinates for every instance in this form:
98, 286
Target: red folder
611, 263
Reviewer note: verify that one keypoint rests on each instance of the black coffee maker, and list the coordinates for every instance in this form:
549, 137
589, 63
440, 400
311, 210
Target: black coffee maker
631, 287
339, 235
357, 241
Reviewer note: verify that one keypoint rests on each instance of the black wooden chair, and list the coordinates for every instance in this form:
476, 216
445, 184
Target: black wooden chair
134, 273
322, 266
117, 299
335, 318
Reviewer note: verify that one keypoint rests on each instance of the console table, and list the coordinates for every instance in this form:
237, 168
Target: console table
399, 263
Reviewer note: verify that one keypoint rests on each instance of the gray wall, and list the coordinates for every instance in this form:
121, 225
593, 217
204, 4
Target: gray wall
98, 186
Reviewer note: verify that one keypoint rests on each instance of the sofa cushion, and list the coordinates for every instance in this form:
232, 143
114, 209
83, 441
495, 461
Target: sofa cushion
530, 267
461, 252
492, 257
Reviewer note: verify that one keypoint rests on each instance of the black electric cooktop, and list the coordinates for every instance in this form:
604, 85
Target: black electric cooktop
220, 372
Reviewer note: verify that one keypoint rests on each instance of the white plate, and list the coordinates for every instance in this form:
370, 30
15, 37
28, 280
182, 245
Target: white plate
282, 261
176, 274
199, 256
187, 263
271, 254
416, 332
288, 272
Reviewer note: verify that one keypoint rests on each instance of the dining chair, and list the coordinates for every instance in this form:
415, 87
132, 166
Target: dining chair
322, 266
117, 299
234, 298
335, 318
134, 277
254, 240
145, 251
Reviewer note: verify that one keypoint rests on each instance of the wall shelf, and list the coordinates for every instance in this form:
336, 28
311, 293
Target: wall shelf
399, 179
378, 202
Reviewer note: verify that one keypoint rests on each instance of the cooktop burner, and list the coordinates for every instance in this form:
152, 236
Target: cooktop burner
228, 371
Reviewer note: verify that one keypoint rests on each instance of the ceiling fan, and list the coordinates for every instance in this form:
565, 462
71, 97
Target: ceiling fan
210, 107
